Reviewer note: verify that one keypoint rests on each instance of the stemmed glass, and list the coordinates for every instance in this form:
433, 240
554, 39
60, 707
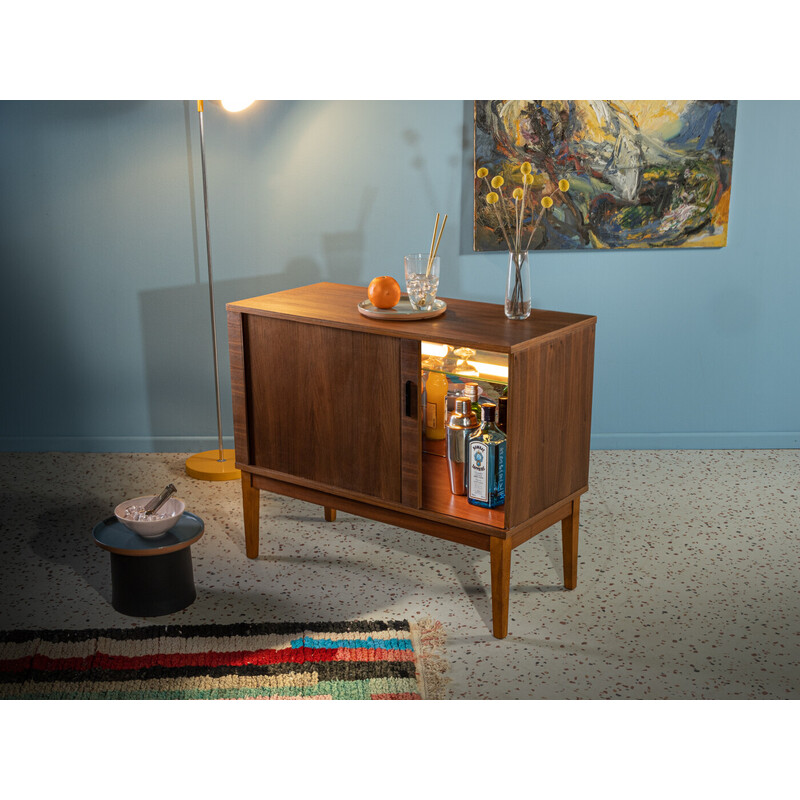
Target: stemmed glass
463, 367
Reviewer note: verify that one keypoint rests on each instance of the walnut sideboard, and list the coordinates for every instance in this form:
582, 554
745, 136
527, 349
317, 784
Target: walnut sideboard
327, 408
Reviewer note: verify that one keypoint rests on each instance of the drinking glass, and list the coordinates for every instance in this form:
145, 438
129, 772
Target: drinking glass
421, 283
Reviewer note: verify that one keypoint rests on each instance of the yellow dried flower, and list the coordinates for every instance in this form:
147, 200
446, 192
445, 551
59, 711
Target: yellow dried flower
482, 172
497, 181
528, 179
525, 168
547, 201
517, 193
563, 184
492, 198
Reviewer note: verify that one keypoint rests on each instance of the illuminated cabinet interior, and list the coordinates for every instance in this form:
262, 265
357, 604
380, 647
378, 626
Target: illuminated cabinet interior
329, 407
460, 364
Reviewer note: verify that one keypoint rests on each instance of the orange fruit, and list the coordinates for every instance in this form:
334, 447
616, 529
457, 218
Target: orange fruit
384, 292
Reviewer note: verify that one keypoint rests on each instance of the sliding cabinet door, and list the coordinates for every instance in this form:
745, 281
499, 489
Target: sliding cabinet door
325, 405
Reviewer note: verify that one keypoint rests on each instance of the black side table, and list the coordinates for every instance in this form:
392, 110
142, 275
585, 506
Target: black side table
150, 577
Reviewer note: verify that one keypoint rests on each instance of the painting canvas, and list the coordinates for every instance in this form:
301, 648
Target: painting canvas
642, 173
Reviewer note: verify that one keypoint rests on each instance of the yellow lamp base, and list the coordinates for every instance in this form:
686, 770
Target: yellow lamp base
207, 466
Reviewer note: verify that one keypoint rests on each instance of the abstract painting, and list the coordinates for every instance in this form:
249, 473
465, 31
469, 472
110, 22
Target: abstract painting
642, 173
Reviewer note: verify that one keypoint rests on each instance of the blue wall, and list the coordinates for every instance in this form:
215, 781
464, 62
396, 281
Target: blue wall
104, 308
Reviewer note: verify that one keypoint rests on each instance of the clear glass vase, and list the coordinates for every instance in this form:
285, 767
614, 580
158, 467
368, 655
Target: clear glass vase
518, 286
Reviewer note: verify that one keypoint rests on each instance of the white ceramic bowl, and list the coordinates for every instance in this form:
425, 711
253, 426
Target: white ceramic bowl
155, 527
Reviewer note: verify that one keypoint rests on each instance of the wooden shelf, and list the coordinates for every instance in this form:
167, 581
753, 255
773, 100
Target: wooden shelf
436, 494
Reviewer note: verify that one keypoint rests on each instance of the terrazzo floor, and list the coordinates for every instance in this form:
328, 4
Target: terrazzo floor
687, 574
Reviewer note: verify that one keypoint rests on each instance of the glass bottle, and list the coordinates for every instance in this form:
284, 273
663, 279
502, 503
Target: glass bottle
470, 390
502, 413
453, 394
486, 460
435, 391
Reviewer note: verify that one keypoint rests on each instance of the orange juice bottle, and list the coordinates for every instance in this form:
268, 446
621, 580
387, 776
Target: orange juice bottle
435, 391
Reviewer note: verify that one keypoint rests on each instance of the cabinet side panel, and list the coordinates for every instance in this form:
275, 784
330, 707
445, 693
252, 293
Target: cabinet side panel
549, 423
238, 386
325, 405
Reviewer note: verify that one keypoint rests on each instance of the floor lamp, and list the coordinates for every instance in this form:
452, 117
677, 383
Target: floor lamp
219, 464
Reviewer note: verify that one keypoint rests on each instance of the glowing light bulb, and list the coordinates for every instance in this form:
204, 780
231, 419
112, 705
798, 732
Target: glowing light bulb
490, 369
236, 105
431, 349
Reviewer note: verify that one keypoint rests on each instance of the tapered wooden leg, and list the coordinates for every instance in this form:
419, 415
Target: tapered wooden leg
500, 553
330, 514
250, 503
569, 545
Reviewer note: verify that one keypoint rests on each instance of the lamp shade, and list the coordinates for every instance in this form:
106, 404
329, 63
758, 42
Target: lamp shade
236, 105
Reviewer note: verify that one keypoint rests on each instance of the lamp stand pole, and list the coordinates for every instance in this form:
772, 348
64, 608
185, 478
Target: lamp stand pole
219, 464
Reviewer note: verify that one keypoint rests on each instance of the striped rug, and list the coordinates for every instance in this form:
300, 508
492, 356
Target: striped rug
372, 660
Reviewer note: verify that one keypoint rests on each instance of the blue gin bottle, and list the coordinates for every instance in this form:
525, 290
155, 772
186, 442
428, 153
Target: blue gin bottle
486, 461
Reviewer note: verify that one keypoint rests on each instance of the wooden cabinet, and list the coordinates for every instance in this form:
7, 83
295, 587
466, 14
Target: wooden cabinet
327, 408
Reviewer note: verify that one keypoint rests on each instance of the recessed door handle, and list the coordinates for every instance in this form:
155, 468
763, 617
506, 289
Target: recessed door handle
411, 399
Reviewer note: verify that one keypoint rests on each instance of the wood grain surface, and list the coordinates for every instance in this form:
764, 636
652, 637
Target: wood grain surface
549, 422
325, 404
483, 325
440, 528
436, 496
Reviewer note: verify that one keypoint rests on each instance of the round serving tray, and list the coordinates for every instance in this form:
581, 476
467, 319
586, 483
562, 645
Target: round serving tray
402, 311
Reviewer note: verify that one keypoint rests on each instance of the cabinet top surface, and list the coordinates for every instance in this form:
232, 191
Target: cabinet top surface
482, 324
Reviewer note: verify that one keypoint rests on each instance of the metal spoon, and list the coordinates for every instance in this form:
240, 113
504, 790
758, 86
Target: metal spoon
159, 501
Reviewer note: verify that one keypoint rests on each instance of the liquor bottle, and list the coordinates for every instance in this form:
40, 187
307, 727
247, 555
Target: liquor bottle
435, 391
471, 391
453, 393
486, 460
461, 425
502, 413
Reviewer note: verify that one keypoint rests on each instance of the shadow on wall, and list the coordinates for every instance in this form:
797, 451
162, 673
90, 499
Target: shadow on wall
467, 196
37, 270
454, 196
176, 321
178, 354
438, 197
344, 250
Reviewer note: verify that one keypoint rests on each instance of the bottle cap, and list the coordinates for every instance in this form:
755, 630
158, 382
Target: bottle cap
487, 412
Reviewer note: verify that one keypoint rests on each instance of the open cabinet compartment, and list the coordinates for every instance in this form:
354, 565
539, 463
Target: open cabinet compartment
459, 364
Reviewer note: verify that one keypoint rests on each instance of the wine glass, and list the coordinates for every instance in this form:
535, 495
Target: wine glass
463, 367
